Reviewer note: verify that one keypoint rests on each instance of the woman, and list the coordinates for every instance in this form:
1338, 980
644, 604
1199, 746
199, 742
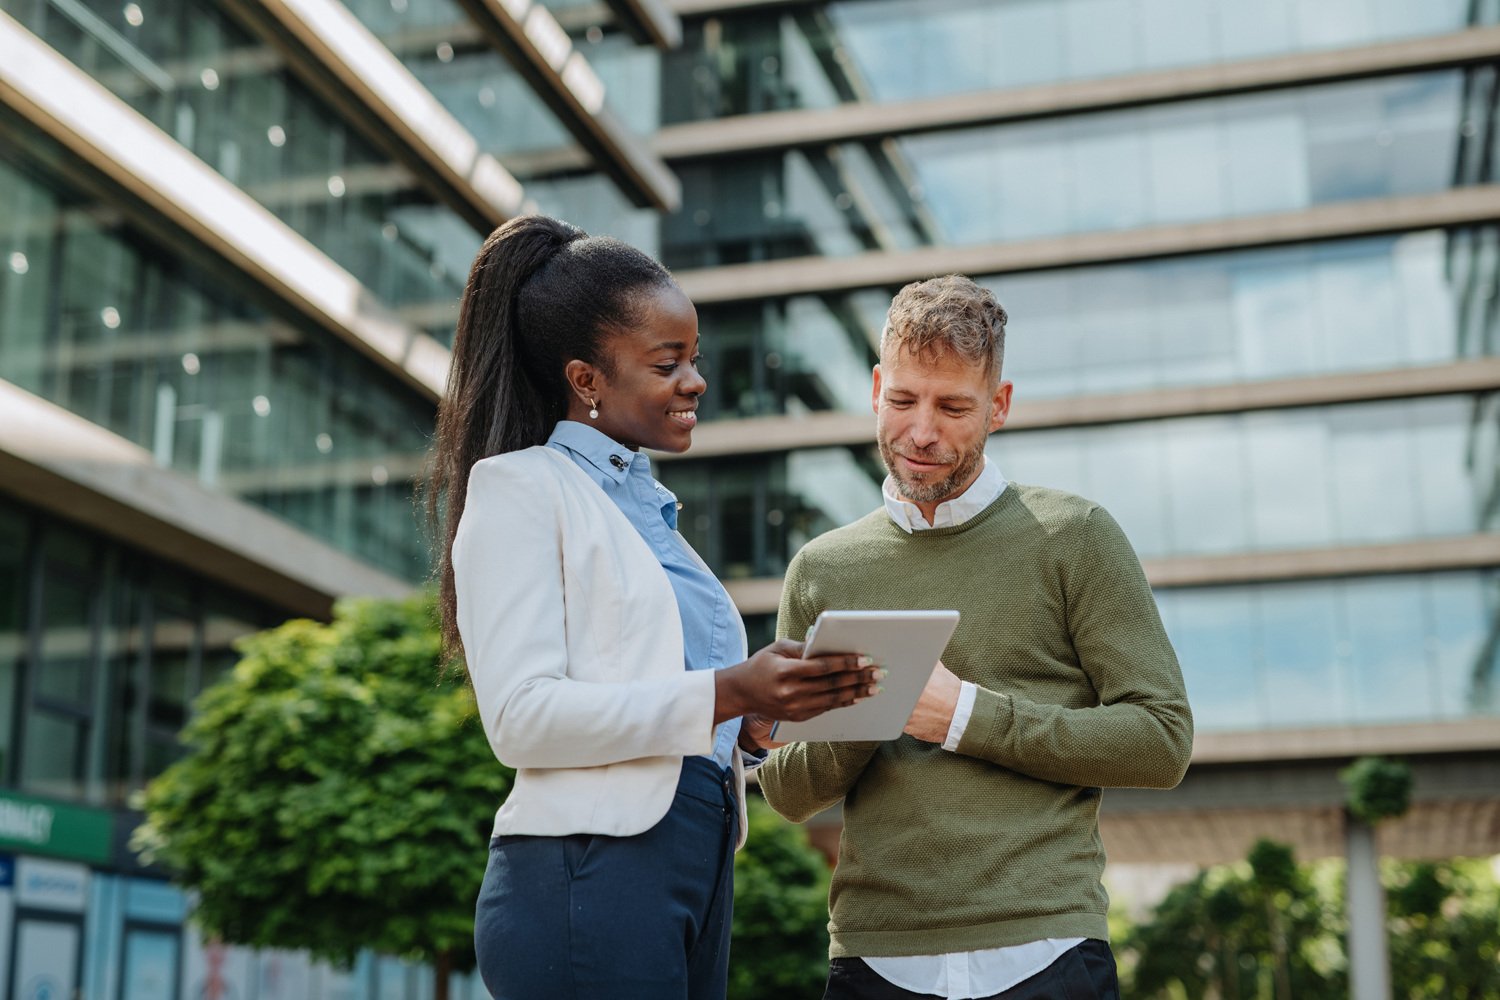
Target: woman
608, 663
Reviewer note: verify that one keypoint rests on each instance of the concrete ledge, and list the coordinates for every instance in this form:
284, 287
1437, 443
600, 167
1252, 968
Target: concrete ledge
63, 463
112, 138
1459, 736
803, 275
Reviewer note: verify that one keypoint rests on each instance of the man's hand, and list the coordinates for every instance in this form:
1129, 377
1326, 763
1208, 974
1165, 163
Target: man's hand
755, 734
934, 712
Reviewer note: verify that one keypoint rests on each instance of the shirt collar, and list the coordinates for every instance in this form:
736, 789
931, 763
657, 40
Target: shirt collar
600, 450
980, 494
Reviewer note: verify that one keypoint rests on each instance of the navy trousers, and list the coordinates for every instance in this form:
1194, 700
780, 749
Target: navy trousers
1084, 972
589, 917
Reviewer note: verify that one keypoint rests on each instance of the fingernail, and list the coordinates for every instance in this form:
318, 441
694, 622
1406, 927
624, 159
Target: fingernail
881, 674
874, 690
865, 661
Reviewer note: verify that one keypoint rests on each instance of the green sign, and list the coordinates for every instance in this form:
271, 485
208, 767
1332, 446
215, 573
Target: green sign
36, 826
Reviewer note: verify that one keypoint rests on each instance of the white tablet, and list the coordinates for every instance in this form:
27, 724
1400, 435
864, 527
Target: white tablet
906, 644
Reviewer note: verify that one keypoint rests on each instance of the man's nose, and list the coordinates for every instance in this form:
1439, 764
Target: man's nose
924, 430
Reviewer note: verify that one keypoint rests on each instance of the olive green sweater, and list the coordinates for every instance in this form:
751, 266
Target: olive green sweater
998, 843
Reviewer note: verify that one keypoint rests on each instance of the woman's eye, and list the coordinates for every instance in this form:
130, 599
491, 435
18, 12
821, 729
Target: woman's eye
698, 362
667, 369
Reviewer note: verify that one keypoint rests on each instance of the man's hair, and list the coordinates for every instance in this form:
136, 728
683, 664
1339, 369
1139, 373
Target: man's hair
947, 315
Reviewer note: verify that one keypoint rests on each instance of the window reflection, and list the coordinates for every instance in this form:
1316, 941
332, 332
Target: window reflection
875, 51
173, 356
1261, 481
746, 516
1178, 163
1365, 304
119, 648
1387, 649
1251, 482
227, 98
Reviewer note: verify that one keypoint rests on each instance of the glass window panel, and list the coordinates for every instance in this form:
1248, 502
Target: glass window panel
202, 77
1101, 37
14, 587
180, 359
1305, 670
1465, 643
1183, 149
1205, 486
63, 673
151, 961
1213, 632
1369, 444
757, 60
1390, 669
52, 760
1366, 651
1292, 501
1184, 162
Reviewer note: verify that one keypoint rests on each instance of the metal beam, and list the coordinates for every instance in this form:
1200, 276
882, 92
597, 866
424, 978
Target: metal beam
801, 275
787, 129
762, 595
180, 191
333, 52
652, 22
61, 462
530, 37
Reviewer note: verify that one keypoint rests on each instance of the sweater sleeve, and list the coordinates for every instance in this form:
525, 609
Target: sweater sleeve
800, 780
1140, 734
509, 586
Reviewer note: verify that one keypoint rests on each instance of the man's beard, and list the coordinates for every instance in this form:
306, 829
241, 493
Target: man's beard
922, 488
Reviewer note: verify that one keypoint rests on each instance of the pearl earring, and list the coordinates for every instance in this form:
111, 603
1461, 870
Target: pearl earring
593, 410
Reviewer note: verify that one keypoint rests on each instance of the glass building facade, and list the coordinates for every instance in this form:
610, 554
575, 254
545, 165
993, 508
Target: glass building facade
1249, 254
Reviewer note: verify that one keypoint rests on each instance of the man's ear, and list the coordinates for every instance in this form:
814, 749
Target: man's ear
875, 390
1001, 410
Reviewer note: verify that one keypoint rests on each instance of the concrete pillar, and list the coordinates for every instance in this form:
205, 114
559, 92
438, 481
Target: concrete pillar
1369, 963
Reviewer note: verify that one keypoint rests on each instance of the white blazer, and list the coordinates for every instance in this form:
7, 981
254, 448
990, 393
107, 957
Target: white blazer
574, 644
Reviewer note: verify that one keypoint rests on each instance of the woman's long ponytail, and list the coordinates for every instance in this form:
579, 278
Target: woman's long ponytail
493, 402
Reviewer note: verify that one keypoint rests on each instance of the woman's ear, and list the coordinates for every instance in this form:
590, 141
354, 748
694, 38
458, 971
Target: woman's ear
584, 380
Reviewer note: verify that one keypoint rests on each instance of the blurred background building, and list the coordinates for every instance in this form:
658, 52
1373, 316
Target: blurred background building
1249, 251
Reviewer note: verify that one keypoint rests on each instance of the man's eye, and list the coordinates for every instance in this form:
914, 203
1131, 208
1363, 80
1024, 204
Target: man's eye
900, 404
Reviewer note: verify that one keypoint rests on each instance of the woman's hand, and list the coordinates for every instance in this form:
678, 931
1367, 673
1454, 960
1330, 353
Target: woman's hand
776, 683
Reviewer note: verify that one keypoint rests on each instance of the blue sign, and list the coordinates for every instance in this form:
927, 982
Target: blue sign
7, 871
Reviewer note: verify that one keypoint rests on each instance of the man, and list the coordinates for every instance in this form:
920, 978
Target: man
970, 860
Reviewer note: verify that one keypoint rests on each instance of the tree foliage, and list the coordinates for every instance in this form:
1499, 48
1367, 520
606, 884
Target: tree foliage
780, 945
1215, 936
1235, 932
337, 792
1378, 788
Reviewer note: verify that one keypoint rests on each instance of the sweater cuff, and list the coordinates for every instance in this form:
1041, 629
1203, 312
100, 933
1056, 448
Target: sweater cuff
988, 724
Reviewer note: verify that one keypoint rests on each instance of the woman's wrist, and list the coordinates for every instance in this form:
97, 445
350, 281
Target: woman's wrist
728, 702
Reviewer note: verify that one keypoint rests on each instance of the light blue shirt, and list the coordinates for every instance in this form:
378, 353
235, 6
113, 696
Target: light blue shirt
710, 621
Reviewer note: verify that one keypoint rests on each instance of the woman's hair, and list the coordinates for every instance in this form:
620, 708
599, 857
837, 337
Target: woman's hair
541, 293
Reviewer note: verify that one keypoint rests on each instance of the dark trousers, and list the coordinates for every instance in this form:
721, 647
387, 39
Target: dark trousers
1086, 972
625, 918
